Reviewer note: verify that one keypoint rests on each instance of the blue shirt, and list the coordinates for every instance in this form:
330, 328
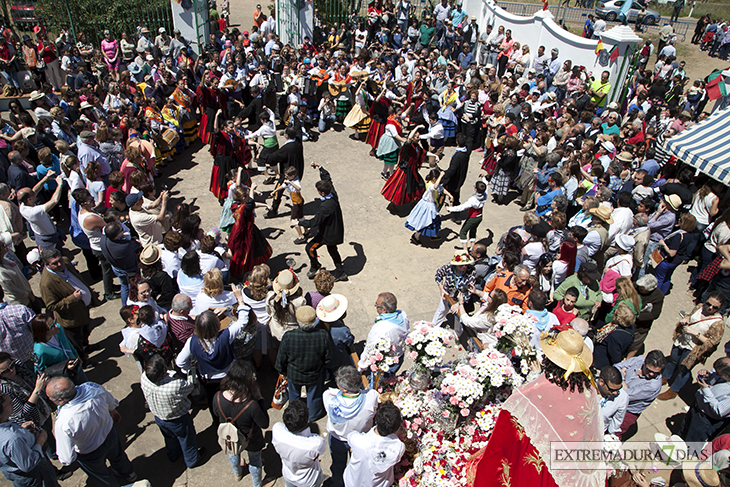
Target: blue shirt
714, 401
18, 450
41, 171
642, 391
651, 166
466, 59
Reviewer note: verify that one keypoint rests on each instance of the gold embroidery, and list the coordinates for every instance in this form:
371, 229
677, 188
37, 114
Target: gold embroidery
505, 479
519, 428
535, 460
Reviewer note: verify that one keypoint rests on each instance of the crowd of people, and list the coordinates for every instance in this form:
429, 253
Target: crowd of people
608, 217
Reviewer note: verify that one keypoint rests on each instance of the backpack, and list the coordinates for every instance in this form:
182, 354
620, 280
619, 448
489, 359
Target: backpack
230, 438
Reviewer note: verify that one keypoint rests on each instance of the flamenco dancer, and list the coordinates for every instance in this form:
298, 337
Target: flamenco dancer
359, 117
379, 115
391, 141
209, 101
229, 152
424, 218
405, 185
248, 245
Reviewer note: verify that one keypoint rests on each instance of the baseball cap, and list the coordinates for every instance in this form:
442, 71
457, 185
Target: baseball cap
132, 199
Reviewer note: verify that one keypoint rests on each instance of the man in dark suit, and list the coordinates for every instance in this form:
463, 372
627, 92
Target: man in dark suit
291, 153
455, 175
330, 227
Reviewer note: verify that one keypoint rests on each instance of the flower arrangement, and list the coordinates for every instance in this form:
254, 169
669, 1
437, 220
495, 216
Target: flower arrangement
379, 356
514, 330
427, 343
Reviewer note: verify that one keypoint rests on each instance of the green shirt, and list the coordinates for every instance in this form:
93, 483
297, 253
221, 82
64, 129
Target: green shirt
600, 87
426, 34
587, 295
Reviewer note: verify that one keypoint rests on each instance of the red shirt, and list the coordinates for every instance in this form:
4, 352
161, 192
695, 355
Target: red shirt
564, 317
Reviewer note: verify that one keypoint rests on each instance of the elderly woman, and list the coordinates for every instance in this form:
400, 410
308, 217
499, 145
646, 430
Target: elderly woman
282, 303
212, 349
212, 296
652, 302
696, 337
613, 340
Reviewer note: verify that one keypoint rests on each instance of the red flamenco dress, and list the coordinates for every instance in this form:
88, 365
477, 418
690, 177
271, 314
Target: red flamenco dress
229, 152
537, 414
248, 244
379, 116
209, 103
405, 185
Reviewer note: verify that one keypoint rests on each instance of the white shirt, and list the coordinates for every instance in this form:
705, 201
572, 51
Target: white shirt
210, 261
613, 411
38, 219
203, 302
532, 253
372, 458
621, 263
299, 454
435, 131
145, 224
623, 221
84, 423
170, 262
395, 332
361, 423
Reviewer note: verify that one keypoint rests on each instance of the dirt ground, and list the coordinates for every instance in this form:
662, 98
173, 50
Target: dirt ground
377, 256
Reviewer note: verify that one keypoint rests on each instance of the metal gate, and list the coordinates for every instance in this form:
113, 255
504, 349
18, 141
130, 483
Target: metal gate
92, 17
287, 18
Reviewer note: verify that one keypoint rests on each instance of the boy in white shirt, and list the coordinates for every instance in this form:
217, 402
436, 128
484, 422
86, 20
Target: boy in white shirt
375, 453
292, 184
298, 447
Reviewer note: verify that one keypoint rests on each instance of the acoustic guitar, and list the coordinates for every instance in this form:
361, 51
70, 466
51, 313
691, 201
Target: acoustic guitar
337, 88
321, 77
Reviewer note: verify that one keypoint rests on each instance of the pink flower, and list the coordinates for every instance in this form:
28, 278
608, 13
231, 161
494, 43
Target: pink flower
465, 412
378, 356
396, 360
473, 362
454, 400
414, 427
462, 404
413, 355
418, 421
470, 429
508, 371
409, 340
374, 368
373, 360
407, 424
424, 330
498, 334
446, 341
445, 414
503, 321
451, 390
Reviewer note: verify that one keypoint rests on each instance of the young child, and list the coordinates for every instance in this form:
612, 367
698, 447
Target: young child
298, 447
375, 453
565, 310
475, 203
294, 187
153, 337
424, 218
130, 333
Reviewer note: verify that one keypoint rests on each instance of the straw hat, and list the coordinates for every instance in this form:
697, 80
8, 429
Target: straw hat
625, 156
35, 95
150, 254
331, 308
462, 258
568, 351
700, 474
287, 281
84, 105
673, 201
603, 213
306, 315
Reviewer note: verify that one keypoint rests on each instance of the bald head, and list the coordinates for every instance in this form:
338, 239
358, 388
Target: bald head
580, 325
479, 251
60, 390
25, 196
14, 157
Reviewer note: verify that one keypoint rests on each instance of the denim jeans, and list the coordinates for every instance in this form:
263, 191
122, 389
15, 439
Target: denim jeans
179, 434
340, 451
254, 466
12, 77
123, 283
683, 374
663, 274
314, 396
650, 248
326, 122
697, 426
107, 273
94, 463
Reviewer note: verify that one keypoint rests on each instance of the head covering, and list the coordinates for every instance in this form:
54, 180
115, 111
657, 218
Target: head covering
36, 95
150, 254
86, 134
331, 308
132, 199
26, 38
700, 474
134, 68
555, 50
306, 315
107, 33
285, 284
613, 105
673, 201
603, 213
33, 256
625, 156
590, 269
538, 230
84, 105
144, 30
568, 351
608, 146
462, 258
6, 239
161, 30
625, 242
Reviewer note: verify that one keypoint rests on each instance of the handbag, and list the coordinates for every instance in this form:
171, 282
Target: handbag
656, 258
60, 369
281, 394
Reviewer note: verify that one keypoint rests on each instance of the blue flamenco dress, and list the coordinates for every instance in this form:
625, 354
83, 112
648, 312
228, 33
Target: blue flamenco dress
424, 217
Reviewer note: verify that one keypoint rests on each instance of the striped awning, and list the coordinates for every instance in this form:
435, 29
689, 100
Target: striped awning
705, 146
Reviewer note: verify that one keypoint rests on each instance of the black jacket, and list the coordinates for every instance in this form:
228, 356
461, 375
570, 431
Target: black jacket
290, 154
455, 175
122, 254
648, 314
328, 220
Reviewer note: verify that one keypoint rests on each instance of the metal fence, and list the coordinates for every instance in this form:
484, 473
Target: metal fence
574, 14
92, 17
335, 12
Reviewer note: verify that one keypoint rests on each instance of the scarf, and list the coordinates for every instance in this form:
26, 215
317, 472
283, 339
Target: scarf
181, 98
344, 409
171, 115
603, 333
393, 120
153, 115
542, 318
396, 317
449, 99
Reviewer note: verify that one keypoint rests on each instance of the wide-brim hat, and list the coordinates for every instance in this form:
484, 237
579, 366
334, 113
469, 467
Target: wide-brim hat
287, 280
568, 351
134, 68
590, 269
625, 156
35, 95
603, 213
625, 242
674, 201
144, 30
538, 230
700, 474
150, 254
332, 308
675, 441
462, 258
84, 105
